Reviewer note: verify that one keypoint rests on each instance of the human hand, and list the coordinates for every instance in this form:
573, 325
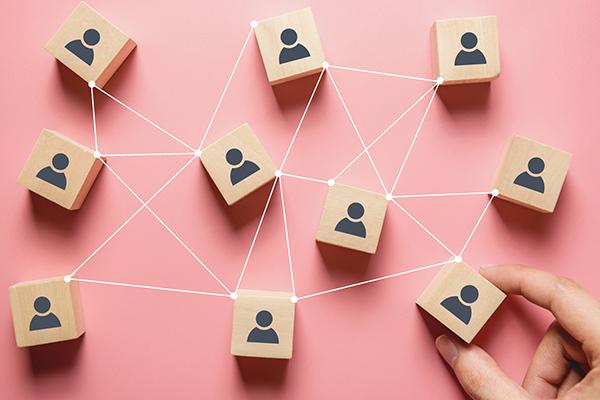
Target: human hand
566, 364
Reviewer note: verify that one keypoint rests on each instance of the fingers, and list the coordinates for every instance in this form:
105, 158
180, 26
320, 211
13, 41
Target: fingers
477, 372
575, 309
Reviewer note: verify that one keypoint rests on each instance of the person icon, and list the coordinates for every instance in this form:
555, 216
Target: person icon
352, 224
527, 179
51, 175
289, 37
461, 308
469, 57
39, 321
83, 50
241, 170
262, 333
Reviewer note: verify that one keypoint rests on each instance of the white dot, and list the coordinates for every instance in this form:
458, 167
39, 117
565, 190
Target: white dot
325, 64
388, 196
495, 192
198, 153
92, 84
331, 182
439, 80
67, 278
254, 23
458, 259
233, 296
294, 299
97, 154
278, 173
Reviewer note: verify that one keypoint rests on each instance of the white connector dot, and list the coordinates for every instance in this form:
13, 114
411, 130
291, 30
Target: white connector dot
388, 196
325, 64
198, 153
97, 154
278, 173
495, 192
233, 296
294, 299
458, 259
331, 182
254, 23
439, 80
67, 278
92, 84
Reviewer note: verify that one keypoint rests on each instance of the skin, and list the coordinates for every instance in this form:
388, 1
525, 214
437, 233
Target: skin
566, 364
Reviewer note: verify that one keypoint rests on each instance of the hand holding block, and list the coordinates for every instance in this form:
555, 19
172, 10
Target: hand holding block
263, 324
89, 45
238, 164
352, 218
461, 299
290, 46
532, 174
465, 50
46, 311
60, 170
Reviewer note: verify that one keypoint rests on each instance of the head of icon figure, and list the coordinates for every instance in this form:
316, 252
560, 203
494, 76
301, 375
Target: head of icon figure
469, 294
536, 165
234, 157
60, 161
41, 305
468, 40
264, 319
91, 37
356, 211
289, 36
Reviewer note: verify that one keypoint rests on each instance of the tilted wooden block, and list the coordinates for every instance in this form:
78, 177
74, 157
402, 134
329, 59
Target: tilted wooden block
238, 164
60, 170
465, 50
46, 311
352, 218
532, 174
290, 46
461, 299
89, 45
263, 324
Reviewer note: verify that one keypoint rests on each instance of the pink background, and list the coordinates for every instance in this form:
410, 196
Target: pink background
367, 341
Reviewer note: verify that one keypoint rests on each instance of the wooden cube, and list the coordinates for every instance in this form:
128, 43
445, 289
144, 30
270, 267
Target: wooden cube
461, 299
352, 218
89, 45
532, 174
290, 46
263, 324
60, 170
238, 164
465, 50
46, 311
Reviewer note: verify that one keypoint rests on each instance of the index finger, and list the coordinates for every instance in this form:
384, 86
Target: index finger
577, 311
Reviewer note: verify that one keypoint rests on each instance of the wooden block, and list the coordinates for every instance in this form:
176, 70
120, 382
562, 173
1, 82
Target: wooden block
46, 311
89, 45
263, 324
352, 218
60, 170
290, 46
461, 299
465, 50
532, 174
238, 164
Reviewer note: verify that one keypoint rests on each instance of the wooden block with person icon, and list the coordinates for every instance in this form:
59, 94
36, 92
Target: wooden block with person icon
263, 324
465, 50
238, 164
90, 45
46, 311
290, 46
532, 174
352, 218
461, 299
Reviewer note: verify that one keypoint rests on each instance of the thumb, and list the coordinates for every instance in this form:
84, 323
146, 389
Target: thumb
477, 372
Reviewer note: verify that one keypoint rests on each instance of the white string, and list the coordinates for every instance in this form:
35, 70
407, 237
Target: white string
146, 154
287, 238
406, 196
477, 225
382, 73
304, 178
94, 118
165, 289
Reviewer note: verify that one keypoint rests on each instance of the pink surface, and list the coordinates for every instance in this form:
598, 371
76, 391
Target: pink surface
366, 341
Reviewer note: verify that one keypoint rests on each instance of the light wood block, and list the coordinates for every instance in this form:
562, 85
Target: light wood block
90, 45
263, 324
60, 170
523, 179
238, 164
288, 55
461, 299
352, 218
465, 50
46, 311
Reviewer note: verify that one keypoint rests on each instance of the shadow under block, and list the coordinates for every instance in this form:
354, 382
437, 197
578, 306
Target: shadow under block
451, 300
520, 180
94, 57
44, 173
263, 324
352, 218
458, 57
238, 164
286, 55
46, 311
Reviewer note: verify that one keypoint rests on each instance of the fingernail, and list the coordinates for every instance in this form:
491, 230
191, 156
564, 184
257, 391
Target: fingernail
447, 349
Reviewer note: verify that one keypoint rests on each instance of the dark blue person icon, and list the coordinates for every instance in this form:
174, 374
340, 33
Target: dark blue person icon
352, 225
44, 319
461, 307
52, 174
528, 179
241, 169
262, 333
469, 56
84, 49
293, 50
